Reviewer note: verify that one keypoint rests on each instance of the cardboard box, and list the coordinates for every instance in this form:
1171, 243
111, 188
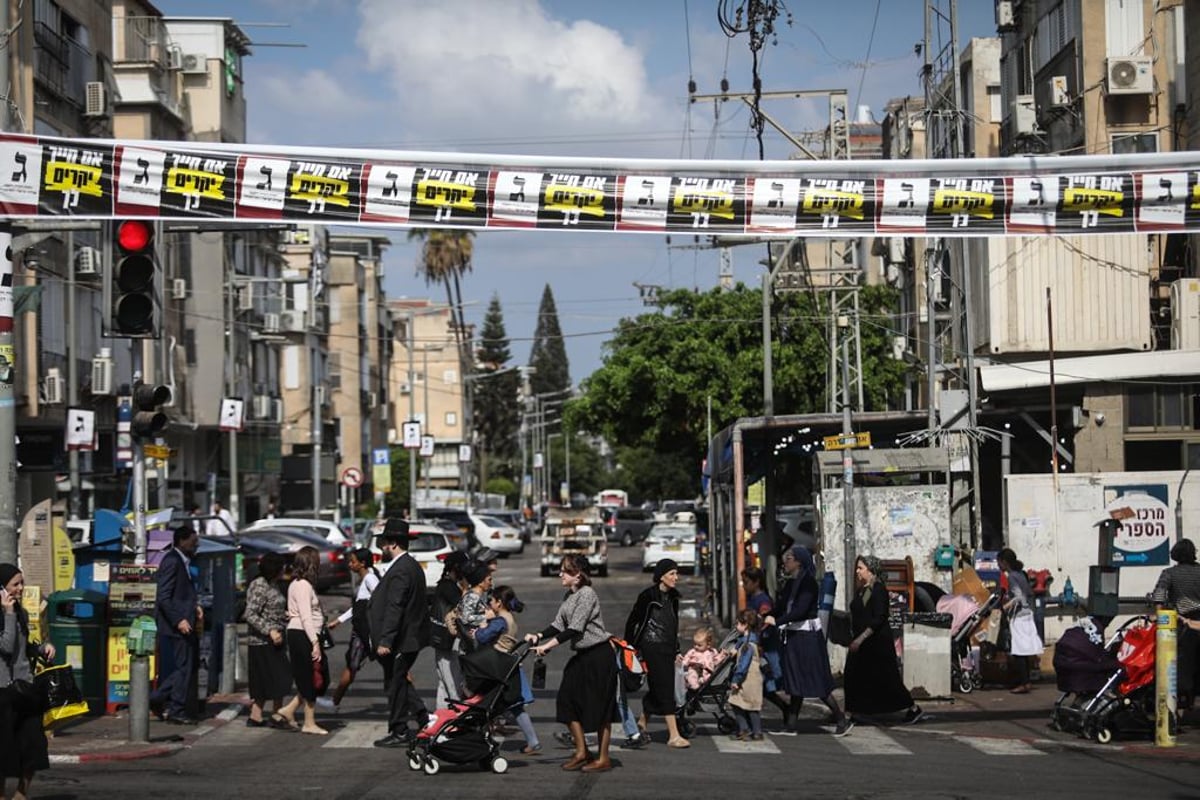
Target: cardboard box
967, 581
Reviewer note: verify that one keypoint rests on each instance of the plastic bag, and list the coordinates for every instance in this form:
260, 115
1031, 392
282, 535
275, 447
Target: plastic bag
539, 674
680, 685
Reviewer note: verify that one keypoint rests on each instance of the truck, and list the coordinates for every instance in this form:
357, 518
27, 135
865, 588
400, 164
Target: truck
568, 531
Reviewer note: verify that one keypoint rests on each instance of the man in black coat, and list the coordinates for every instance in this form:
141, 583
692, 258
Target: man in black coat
399, 618
178, 615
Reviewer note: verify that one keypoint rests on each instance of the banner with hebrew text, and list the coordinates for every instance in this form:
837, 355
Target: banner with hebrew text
190, 181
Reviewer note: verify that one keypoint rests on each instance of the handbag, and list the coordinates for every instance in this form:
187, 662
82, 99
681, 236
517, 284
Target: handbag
64, 700
320, 676
539, 674
325, 638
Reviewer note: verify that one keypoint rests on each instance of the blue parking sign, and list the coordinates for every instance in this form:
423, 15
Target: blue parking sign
381, 456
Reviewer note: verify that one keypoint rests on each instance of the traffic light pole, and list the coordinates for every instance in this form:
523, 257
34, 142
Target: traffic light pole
139, 476
8, 410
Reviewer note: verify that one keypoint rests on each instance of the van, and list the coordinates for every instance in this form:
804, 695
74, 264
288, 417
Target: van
628, 525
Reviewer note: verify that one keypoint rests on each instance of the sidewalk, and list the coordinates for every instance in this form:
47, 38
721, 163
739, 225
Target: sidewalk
106, 738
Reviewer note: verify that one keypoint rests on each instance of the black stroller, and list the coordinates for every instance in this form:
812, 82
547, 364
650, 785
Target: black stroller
462, 733
711, 696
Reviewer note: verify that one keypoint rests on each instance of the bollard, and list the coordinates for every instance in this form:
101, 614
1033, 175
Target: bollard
1165, 679
229, 644
139, 698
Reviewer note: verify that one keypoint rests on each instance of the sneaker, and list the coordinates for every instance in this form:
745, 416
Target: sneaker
564, 739
914, 715
843, 728
636, 742
326, 703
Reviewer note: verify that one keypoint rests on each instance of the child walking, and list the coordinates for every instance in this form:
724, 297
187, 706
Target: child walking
702, 659
500, 631
746, 683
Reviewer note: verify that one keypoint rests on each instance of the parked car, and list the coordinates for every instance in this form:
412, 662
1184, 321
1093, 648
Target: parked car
495, 534
626, 524
329, 531
429, 545
674, 540
514, 519
458, 516
253, 542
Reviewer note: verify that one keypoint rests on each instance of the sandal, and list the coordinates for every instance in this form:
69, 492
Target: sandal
530, 749
281, 723
679, 742
255, 723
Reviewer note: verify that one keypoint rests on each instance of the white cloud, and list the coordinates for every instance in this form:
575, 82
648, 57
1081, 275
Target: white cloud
330, 107
465, 70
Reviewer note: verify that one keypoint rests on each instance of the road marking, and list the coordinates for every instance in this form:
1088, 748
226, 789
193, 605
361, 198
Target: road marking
726, 745
999, 747
867, 741
357, 734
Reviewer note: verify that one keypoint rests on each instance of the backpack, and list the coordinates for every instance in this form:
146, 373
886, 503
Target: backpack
631, 667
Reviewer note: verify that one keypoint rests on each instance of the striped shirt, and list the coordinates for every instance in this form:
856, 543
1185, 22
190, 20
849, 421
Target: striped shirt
1179, 586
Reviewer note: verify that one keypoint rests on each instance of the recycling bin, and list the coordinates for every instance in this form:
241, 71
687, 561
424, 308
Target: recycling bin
77, 620
926, 661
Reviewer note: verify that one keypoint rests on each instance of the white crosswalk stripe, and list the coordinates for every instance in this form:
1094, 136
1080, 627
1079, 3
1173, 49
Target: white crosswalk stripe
356, 734
867, 741
999, 747
726, 745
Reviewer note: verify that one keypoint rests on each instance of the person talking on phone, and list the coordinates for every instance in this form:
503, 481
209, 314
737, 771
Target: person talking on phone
22, 741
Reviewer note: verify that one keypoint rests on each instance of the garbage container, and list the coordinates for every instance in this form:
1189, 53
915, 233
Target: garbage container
214, 566
927, 646
77, 620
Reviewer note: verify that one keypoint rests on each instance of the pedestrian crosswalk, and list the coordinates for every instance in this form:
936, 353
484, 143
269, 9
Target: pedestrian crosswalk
864, 740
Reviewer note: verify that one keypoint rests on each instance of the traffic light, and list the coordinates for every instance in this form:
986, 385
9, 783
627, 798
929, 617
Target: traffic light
135, 280
148, 420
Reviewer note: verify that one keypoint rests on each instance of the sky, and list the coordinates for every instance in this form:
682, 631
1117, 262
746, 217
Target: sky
562, 78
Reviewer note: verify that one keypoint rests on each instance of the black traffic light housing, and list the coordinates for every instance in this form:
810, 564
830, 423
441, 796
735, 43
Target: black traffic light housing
148, 420
135, 281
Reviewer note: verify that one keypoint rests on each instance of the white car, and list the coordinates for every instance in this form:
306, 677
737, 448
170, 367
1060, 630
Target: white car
428, 545
672, 540
496, 534
329, 531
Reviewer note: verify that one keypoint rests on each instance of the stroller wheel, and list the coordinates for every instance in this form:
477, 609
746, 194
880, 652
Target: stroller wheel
414, 762
966, 684
432, 765
726, 724
1104, 735
687, 728
500, 765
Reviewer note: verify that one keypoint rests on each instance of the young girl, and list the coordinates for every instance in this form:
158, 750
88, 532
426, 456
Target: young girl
702, 659
473, 607
746, 683
500, 631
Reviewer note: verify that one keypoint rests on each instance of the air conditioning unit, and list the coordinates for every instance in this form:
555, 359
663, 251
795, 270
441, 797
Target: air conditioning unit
174, 57
405, 388
95, 99
87, 262
1185, 314
1023, 115
102, 374
1006, 18
899, 347
245, 297
1131, 75
52, 387
179, 289
292, 321
1060, 95
262, 406
193, 63
270, 323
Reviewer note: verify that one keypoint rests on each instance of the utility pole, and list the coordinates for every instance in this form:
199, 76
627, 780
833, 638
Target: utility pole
412, 416
234, 503
73, 497
8, 406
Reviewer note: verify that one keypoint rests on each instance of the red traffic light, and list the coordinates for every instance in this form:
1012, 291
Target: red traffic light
134, 236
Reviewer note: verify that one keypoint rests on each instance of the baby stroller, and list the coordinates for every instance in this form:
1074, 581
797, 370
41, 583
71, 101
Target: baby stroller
1119, 700
711, 696
462, 733
969, 616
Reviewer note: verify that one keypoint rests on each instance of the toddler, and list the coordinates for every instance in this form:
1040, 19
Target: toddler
702, 659
746, 683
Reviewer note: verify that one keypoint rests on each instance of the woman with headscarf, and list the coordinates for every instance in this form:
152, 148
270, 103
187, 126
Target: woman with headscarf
266, 653
1178, 587
872, 679
22, 740
587, 696
805, 658
1018, 610
653, 628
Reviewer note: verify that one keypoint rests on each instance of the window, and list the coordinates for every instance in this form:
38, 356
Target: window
451, 419
1165, 407
1135, 143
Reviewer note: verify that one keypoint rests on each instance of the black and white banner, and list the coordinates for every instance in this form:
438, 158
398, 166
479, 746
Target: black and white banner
100, 179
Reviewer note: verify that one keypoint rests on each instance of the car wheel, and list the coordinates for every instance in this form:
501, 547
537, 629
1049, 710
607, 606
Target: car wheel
627, 539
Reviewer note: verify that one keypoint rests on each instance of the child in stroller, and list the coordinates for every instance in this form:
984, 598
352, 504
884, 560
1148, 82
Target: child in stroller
711, 695
968, 617
1105, 690
462, 733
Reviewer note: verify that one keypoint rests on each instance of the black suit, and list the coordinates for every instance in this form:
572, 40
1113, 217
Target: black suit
399, 619
175, 601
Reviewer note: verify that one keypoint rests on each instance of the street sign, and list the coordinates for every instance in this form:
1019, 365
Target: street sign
412, 435
464, 453
845, 441
352, 477
427, 443
381, 456
156, 450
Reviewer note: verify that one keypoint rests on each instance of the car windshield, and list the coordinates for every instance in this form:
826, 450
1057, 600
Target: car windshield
426, 542
495, 522
664, 533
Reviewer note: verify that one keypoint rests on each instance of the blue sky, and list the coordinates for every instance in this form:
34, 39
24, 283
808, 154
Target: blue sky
561, 78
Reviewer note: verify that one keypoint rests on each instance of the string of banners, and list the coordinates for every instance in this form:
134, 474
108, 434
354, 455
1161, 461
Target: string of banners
102, 179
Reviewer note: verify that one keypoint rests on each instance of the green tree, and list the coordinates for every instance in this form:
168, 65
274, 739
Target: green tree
548, 357
496, 413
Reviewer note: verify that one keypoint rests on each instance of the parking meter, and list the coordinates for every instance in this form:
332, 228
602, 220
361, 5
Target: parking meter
141, 638
1104, 578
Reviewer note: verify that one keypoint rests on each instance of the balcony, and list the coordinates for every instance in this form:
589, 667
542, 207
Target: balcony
61, 65
141, 40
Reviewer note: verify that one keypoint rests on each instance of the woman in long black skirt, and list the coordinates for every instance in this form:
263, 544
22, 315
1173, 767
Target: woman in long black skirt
587, 697
872, 677
653, 628
805, 658
266, 621
22, 741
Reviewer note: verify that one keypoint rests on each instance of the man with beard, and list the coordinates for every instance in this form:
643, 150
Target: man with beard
399, 629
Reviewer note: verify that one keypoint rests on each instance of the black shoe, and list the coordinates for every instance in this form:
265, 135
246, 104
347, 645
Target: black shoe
156, 709
636, 742
914, 715
179, 719
394, 740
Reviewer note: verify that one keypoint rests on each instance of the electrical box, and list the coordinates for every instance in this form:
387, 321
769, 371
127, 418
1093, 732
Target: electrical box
1185, 314
1060, 95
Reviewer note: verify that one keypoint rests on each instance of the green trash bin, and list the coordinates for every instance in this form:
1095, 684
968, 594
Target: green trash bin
78, 623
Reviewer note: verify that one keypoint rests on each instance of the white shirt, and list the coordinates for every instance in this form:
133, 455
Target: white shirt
214, 527
365, 587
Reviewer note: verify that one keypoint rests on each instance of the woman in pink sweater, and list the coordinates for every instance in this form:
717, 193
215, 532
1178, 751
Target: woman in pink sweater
305, 621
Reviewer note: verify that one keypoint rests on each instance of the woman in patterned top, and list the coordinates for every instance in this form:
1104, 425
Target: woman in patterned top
1179, 588
266, 620
587, 696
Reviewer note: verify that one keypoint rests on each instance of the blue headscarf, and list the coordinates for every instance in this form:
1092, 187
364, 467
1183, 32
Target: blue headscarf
805, 560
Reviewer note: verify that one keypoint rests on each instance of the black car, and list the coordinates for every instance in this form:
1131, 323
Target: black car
626, 524
458, 516
333, 571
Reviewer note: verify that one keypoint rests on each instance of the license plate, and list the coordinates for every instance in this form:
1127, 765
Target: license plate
673, 547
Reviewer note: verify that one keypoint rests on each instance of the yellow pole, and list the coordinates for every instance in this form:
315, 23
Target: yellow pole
1165, 679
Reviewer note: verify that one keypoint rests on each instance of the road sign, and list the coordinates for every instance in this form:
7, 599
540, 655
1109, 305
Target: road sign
464, 453
844, 441
381, 456
352, 477
412, 435
427, 446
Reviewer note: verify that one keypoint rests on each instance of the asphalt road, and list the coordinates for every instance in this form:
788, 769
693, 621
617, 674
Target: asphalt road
876, 762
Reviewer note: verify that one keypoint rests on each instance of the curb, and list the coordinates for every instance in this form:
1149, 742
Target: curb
226, 716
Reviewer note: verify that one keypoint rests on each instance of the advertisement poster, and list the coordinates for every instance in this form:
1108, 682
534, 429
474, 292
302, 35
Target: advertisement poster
1144, 538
